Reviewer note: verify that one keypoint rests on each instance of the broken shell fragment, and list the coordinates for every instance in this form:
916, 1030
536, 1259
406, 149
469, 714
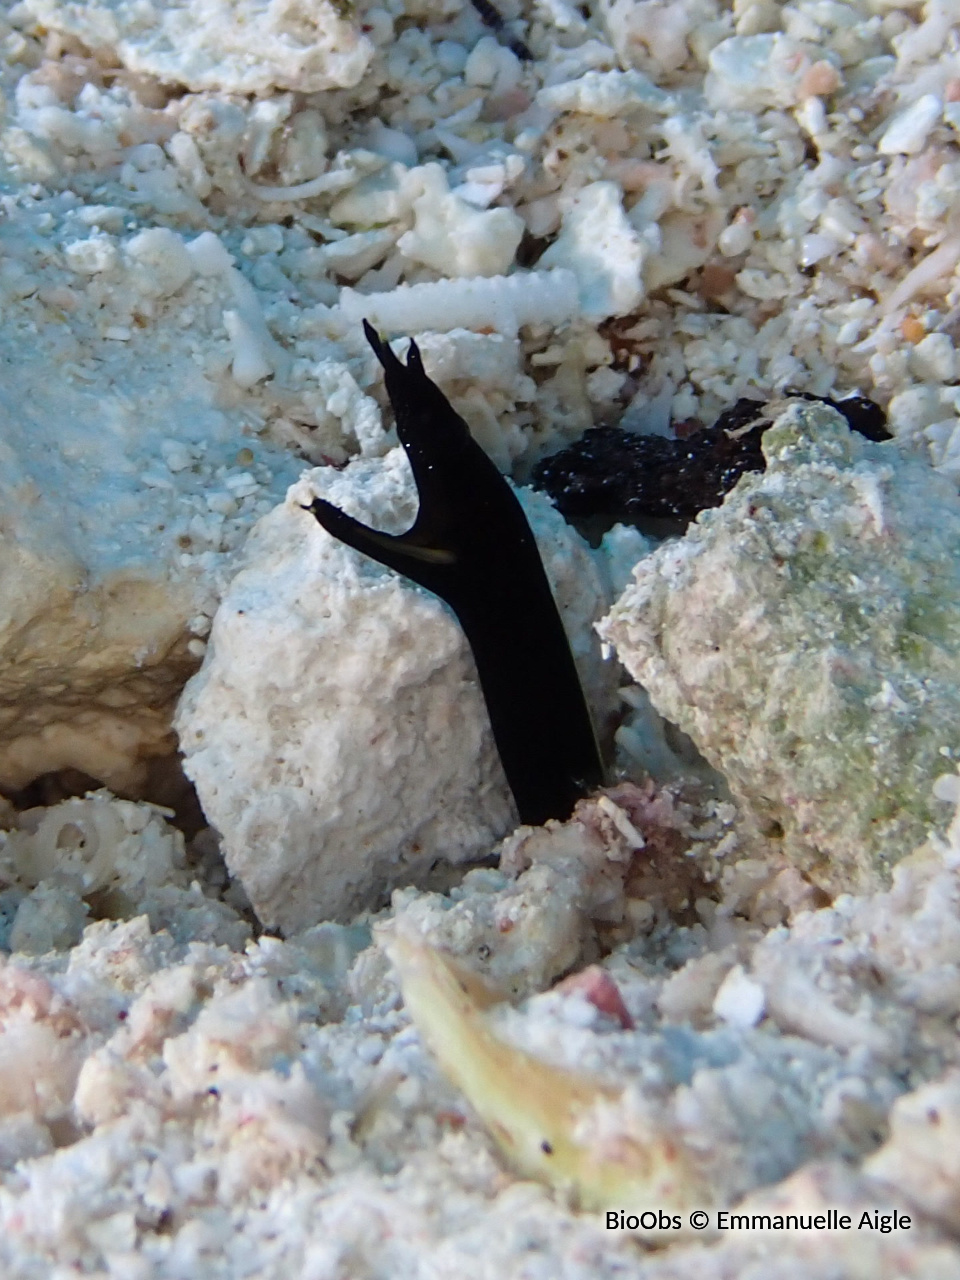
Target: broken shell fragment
562, 1128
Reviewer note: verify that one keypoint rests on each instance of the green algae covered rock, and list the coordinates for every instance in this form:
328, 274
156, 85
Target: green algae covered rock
806, 635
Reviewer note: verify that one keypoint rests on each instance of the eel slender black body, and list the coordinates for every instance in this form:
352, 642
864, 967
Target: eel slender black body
472, 546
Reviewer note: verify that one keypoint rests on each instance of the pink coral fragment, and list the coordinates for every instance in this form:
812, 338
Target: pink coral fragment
603, 993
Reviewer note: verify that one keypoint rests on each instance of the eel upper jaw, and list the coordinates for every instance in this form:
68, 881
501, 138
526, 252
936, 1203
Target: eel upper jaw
425, 417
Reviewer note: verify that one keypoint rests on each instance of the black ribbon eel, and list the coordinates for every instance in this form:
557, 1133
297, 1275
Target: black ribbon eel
472, 546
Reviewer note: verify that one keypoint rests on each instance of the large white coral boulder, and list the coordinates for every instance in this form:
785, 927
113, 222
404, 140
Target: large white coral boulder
806, 635
336, 732
111, 555
240, 46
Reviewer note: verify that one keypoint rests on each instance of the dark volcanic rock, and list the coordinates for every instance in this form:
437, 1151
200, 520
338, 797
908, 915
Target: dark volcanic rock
632, 478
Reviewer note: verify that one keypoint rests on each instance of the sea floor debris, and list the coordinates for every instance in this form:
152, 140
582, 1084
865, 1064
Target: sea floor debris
197, 206
621, 475
195, 1102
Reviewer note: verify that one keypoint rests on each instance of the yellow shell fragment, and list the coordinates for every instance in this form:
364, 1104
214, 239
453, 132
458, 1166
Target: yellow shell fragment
551, 1124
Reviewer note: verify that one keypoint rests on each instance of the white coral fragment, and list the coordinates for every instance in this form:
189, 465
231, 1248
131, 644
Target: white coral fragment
750, 72
455, 238
907, 133
250, 363
606, 94
162, 260
921, 1158
603, 250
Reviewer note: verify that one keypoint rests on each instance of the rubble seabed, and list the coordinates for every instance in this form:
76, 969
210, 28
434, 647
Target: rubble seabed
198, 207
